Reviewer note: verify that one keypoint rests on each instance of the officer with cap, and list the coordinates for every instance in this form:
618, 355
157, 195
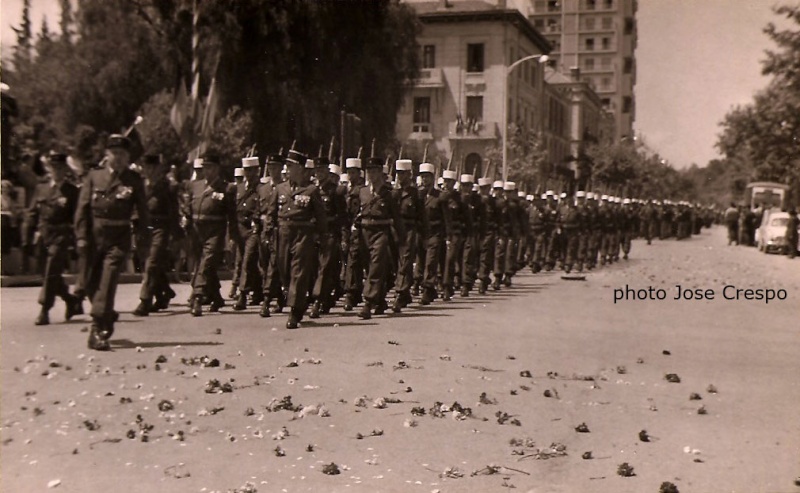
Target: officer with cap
412, 213
211, 211
51, 212
297, 214
330, 247
270, 278
106, 205
248, 223
162, 205
378, 215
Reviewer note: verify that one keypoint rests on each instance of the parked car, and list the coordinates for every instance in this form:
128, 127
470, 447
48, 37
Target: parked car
771, 235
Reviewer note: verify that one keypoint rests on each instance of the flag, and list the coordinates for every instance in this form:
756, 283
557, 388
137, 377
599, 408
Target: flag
210, 111
180, 109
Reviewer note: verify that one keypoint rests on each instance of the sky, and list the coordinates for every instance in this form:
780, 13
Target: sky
696, 60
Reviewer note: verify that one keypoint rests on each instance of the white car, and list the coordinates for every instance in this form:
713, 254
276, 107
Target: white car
771, 235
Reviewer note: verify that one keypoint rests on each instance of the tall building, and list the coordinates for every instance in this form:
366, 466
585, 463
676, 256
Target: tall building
599, 38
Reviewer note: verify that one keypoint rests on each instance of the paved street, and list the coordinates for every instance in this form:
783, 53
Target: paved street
341, 390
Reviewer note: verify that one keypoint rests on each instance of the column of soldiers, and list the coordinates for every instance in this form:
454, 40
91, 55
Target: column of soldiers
307, 235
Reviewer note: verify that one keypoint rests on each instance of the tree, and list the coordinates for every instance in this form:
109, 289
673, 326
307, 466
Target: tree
22, 49
66, 22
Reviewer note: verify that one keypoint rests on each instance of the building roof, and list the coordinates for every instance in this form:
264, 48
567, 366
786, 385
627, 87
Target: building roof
479, 11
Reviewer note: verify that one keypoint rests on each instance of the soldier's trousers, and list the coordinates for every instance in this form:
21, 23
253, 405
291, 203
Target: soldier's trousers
647, 231
733, 233
211, 239
377, 240
249, 275
455, 250
329, 257
553, 248
538, 249
486, 256
571, 242
53, 284
607, 247
469, 260
666, 230
356, 258
268, 265
112, 246
237, 264
593, 247
84, 267
406, 253
295, 262
156, 264
511, 255
500, 255
625, 242
522, 249
430, 255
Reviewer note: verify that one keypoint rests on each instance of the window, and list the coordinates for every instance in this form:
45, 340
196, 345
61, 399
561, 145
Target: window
475, 108
475, 57
538, 5
628, 68
608, 22
606, 43
422, 114
589, 44
553, 5
629, 25
591, 4
588, 63
588, 23
538, 24
627, 104
606, 102
429, 56
553, 26
609, 4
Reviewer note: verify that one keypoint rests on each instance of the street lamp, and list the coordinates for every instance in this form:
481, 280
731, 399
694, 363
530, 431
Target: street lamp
542, 59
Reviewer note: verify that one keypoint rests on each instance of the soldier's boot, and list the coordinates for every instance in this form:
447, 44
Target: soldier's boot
97, 339
233, 292
580, 267
161, 303
567, 268
279, 304
456, 282
366, 311
603, 260
241, 302
415, 289
144, 308
256, 298
348, 302
264, 312
625, 256
465, 291
428, 296
316, 308
72, 303
295, 316
507, 280
43, 318
78, 306
381, 307
397, 305
482, 286
496, 283
447, 293
197, 306
216, 303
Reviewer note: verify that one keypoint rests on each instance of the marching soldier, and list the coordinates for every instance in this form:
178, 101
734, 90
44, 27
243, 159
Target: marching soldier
627, 227
297, 213
106, 204
378, 214
51, 212
162, 205
412, 214
571, 225
268, 258
647, 221
248, 223
457, 228
238, 178
537, 220
593, 230
353, 244
330, 246
436, 218
470, 253
211, 211
488, 238
510, 192
503, 233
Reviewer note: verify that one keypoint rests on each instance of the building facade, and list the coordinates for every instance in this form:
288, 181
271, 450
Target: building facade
598, 37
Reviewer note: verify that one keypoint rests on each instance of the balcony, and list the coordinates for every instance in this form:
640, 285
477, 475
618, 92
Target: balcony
475, 131
430, 77
475, 82
421, 131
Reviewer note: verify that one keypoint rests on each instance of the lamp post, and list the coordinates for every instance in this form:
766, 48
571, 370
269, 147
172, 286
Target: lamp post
542, 59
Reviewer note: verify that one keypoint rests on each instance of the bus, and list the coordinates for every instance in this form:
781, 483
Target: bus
767, 194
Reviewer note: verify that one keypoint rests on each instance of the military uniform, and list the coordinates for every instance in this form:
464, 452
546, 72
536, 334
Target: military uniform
248, 223
473, 208
459, 227
412, 214
211, 212
51, 212
106, 204
489, 224
378, 215
297, 214
353, 242
537, 239
436, 220
268, 257
162, 206
330, 248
